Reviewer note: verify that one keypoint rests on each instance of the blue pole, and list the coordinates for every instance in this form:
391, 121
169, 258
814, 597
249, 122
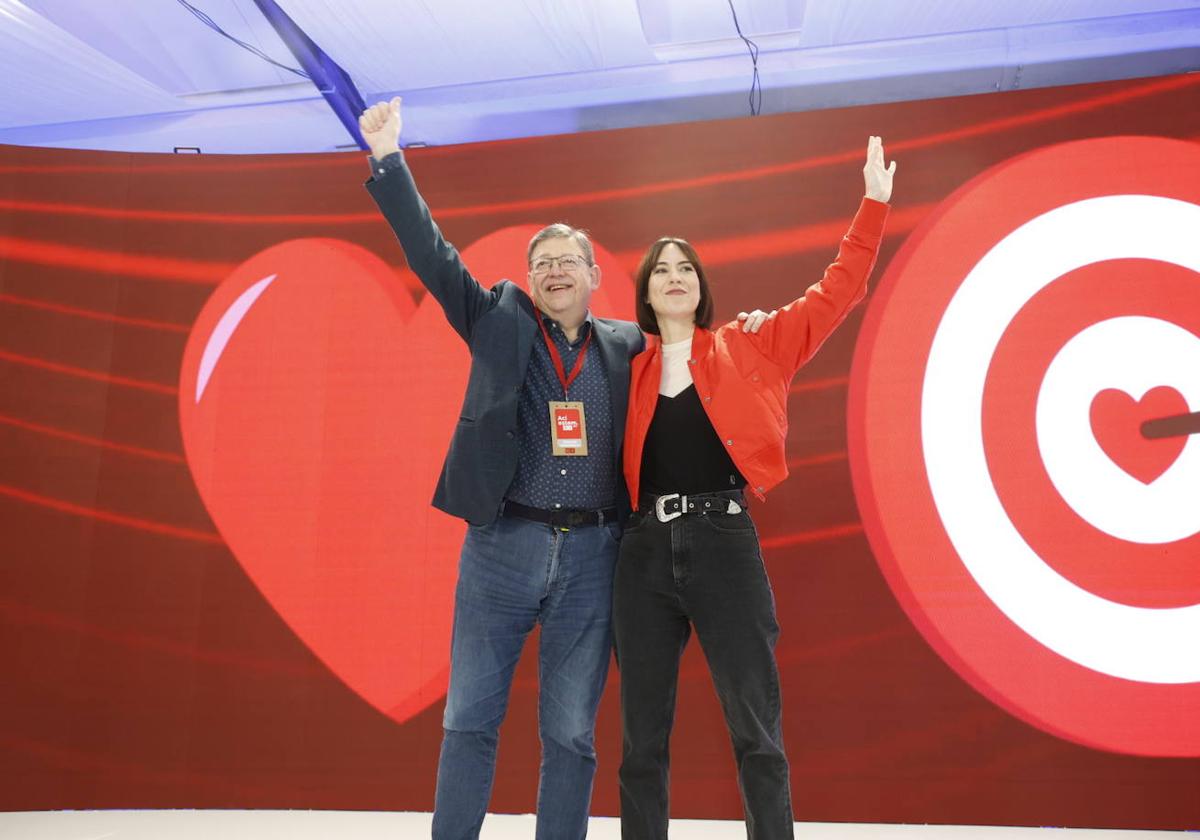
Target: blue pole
331, 80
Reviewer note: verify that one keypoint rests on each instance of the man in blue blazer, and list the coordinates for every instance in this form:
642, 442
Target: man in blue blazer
534, 468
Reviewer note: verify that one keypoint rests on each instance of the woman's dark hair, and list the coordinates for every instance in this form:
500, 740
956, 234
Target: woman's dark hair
641, 285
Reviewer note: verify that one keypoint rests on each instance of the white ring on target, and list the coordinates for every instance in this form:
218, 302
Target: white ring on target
1134, 643
1131, 354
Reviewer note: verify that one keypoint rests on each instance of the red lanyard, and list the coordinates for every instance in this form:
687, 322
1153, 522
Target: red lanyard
556, 357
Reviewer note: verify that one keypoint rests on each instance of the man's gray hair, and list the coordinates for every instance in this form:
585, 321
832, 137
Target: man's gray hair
558, 230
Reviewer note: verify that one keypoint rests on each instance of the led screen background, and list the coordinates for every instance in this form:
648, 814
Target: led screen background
143, 667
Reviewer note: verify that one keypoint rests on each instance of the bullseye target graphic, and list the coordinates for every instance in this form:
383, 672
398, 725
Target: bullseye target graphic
1025, 438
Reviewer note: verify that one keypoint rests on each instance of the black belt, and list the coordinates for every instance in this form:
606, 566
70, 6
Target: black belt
673, 505
559, 518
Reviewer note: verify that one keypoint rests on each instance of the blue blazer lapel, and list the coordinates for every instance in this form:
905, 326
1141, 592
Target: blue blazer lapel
616, 365
527, 329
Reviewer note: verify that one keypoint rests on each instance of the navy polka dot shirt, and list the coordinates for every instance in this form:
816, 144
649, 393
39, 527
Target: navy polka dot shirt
565, 482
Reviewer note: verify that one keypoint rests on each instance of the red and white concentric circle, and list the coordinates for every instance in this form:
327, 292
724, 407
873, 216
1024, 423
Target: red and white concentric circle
1047, 550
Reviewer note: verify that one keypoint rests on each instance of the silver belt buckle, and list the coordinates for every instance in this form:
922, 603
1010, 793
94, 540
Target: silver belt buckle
660, 505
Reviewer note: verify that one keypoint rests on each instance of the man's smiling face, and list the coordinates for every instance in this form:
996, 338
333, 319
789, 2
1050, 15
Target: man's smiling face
561, 281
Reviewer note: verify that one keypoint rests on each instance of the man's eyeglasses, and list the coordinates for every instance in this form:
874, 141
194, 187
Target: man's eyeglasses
567, 262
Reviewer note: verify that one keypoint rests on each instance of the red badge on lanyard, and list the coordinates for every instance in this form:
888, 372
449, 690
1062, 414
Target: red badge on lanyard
568, 429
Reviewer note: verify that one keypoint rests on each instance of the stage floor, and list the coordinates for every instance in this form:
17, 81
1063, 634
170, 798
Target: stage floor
354, 825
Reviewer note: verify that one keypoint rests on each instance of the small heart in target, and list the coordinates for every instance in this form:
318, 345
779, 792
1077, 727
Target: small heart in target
1116, 423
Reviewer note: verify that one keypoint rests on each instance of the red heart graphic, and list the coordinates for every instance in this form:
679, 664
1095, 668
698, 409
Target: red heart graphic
316, 404
1116, 423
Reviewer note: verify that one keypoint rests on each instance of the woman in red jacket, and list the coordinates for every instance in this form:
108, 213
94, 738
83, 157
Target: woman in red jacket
707, 421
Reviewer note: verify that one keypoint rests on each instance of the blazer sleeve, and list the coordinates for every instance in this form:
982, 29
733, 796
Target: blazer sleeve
635, 339
799, 329
434, 260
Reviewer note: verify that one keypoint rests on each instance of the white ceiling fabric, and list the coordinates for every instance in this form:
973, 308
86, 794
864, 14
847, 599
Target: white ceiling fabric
164, 43
50, 76
408, 44
829, 22
146, 75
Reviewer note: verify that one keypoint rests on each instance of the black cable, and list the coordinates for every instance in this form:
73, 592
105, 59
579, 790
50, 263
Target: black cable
752, 48
211, 24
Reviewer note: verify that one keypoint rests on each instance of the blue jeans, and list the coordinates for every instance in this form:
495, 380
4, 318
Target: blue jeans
513, 574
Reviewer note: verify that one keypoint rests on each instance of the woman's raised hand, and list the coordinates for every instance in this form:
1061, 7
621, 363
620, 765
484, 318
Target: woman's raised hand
878, 179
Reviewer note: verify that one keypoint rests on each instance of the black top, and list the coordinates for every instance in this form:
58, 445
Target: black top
682, 453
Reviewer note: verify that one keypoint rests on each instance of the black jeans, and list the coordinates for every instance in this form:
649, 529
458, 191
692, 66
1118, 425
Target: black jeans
702, 571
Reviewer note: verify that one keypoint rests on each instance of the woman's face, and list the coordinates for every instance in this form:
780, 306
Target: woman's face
674, 288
